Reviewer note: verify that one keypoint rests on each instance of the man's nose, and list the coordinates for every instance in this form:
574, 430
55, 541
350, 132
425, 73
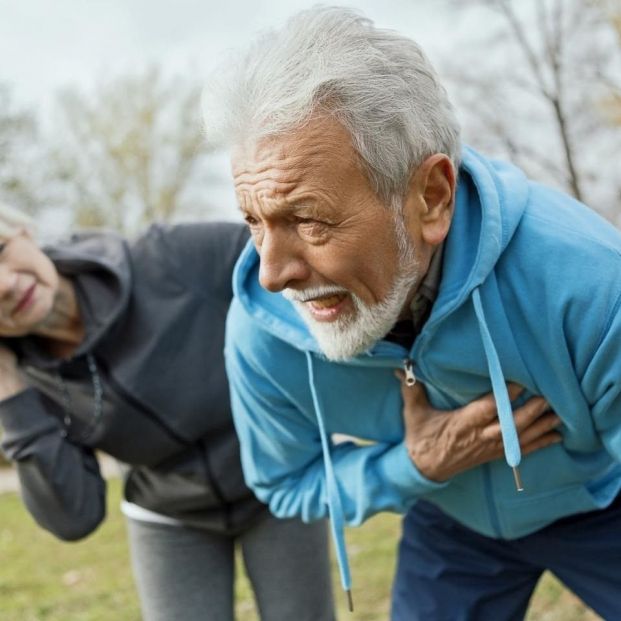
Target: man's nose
282, 262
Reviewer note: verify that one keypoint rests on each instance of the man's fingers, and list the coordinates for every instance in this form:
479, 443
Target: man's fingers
481, 411
552, 437
533, 423
545, 423
528, 413
514, 390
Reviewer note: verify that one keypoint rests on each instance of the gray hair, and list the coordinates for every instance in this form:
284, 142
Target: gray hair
12, 221
332, 60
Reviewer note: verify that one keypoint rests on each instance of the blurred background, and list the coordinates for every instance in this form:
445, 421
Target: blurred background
100, 115
100, 127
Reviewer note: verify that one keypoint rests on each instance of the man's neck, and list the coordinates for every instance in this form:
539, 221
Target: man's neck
427, 285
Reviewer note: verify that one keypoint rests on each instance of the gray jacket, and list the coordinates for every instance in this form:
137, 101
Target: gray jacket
154, 312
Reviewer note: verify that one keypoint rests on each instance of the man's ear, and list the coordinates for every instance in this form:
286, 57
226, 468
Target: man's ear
432, 192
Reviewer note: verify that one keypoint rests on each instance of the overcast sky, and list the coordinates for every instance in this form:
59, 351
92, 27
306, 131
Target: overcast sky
48, 43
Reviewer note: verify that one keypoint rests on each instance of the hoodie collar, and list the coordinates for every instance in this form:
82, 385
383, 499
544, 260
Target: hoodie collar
490, 201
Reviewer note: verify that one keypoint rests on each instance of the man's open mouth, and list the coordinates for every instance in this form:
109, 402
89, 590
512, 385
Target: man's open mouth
328, 301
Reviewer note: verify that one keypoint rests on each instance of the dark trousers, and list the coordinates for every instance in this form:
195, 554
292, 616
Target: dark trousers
447, 572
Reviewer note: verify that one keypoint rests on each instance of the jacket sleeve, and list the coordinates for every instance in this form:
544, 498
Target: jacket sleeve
601, 383
281, 446
60, 481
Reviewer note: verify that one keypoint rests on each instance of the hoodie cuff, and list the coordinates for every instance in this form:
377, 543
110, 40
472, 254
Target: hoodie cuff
402, 473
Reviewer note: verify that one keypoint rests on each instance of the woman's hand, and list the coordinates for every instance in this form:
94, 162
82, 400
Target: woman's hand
444, 443
11, 382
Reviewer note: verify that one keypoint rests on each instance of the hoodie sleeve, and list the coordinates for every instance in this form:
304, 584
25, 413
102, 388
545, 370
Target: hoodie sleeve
601, 383
60, 482
281, 446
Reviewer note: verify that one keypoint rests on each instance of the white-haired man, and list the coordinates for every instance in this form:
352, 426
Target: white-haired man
381, 246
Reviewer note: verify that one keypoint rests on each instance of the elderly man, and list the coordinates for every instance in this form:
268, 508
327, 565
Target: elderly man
381, 247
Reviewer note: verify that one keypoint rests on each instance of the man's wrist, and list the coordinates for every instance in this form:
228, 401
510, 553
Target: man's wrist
423, 459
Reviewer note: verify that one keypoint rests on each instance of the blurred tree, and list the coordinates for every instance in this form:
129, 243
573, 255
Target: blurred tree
19, 143
612, 103
131, 151
531, 87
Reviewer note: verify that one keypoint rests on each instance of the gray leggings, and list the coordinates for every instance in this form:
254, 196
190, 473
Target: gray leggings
187, 574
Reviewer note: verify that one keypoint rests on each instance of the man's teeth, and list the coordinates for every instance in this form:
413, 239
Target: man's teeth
332, 300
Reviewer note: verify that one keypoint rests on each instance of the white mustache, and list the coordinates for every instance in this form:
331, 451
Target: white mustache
305, 295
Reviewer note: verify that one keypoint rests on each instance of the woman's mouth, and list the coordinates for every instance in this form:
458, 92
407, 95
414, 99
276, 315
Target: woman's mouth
26, 301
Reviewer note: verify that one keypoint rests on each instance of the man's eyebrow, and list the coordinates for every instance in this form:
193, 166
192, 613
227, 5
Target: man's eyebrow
308, 203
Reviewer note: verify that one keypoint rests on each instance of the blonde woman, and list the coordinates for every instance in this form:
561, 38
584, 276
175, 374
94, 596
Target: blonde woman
117, 346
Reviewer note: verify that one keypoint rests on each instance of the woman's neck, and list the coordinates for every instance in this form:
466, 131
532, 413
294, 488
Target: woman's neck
63, 328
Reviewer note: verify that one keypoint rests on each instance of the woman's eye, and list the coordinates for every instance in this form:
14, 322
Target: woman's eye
2, 247
250, 220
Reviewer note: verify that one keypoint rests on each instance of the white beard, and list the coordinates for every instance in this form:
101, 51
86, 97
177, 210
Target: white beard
350, 335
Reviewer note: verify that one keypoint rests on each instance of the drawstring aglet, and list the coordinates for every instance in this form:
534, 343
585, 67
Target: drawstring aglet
350, 600
408, 367
518, 479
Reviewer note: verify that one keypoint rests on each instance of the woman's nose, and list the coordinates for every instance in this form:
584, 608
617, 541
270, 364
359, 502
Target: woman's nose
8, 282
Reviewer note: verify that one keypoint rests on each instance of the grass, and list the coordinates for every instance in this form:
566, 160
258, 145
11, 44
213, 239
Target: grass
42, 579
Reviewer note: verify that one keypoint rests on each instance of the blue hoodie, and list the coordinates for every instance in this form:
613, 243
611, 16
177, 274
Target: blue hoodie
530, 293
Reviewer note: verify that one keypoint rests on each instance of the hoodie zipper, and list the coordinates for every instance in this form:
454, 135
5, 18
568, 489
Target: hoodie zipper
408, 367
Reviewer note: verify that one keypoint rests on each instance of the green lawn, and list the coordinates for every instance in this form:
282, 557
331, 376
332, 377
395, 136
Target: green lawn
42, 579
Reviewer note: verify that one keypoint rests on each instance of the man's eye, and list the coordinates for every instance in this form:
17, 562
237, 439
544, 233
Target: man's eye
309, 221
2, 247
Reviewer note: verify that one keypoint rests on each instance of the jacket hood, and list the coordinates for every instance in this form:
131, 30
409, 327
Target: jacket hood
490, 202
100, 270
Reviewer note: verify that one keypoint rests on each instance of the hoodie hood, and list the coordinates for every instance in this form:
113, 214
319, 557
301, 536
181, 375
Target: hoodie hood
481, 229
490, 201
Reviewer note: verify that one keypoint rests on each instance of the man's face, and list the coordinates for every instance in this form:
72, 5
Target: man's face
28, 285
323, 236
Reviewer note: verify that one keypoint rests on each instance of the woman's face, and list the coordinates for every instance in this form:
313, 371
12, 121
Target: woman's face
28, 285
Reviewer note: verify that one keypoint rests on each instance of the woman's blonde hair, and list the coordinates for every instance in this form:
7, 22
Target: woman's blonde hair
12, 221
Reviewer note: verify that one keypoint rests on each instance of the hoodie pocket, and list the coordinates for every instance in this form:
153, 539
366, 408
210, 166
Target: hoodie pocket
524, 515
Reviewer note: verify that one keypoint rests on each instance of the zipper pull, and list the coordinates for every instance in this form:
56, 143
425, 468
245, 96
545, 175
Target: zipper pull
408, 367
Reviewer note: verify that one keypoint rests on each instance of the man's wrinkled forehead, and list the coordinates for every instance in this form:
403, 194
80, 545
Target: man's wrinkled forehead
319, 153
